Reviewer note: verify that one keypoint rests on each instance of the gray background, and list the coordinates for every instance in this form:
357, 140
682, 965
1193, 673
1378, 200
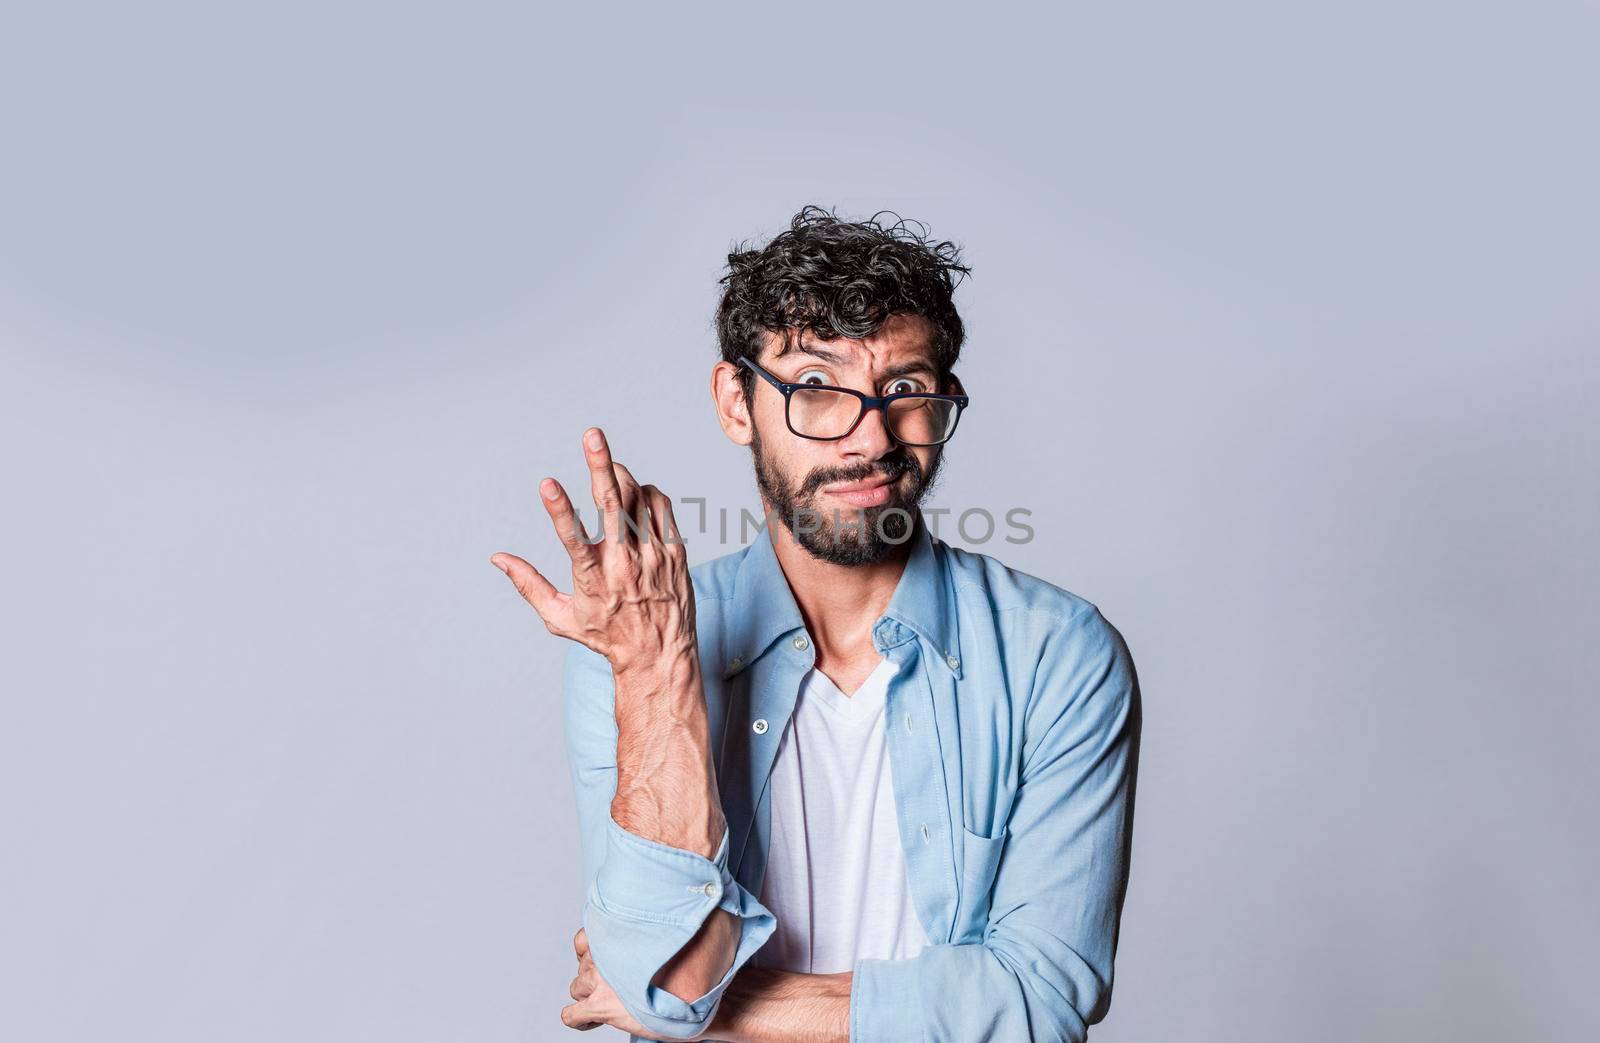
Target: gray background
1283, 325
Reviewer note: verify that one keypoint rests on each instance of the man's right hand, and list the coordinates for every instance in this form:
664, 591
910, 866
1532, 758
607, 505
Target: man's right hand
632, 600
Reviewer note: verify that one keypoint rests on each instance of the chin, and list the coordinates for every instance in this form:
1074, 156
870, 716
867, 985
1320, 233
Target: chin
872, 539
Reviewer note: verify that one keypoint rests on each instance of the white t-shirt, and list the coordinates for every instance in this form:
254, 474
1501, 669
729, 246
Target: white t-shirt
836, 874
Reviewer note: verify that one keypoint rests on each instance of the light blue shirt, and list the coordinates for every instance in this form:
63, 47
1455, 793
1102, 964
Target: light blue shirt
1013, 729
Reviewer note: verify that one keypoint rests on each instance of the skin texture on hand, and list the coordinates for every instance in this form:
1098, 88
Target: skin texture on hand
632, 601
597, 1003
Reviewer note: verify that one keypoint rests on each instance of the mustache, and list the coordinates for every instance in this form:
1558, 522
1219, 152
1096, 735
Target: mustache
891, 468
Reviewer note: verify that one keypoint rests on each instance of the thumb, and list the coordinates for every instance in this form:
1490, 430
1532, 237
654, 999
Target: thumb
550, 603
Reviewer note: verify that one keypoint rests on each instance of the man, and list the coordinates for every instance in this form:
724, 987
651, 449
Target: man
847, 783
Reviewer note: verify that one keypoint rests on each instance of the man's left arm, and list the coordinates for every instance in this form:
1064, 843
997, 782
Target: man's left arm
1043, 969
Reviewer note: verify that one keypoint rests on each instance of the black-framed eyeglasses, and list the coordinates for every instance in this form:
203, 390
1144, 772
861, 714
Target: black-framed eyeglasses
827, 414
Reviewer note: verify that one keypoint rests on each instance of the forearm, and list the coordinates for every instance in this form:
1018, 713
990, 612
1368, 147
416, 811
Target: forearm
768, 1006
666, 783
667, 792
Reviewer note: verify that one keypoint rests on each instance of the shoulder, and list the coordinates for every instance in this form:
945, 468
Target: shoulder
1077, 662
983, 582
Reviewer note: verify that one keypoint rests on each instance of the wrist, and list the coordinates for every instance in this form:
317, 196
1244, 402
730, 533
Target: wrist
690, 821
668, 666
661, 694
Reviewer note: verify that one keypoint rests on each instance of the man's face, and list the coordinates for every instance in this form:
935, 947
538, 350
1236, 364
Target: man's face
846, 501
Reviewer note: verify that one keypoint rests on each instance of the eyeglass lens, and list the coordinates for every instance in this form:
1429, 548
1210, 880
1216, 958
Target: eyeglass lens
820, 413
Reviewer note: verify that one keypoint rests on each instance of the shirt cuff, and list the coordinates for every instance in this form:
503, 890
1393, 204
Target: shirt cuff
646, 902
884, 1001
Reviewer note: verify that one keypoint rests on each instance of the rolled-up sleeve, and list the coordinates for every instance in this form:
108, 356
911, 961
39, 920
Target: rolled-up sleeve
1043, 969
644, 900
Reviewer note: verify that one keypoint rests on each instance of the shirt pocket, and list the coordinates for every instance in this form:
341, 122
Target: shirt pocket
980, 858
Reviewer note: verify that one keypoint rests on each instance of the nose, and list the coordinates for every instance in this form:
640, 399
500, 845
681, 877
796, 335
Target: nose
870, 440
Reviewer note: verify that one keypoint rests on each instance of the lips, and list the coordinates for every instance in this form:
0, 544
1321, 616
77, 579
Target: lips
862, 494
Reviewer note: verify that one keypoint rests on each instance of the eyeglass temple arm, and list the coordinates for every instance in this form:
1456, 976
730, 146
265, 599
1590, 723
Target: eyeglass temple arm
762, 373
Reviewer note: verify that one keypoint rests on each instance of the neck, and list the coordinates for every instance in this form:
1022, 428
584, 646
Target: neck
839, 602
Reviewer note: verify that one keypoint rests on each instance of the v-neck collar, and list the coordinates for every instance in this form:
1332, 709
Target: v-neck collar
865, 701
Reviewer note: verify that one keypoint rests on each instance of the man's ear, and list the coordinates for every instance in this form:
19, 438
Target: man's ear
953, 384
733, 408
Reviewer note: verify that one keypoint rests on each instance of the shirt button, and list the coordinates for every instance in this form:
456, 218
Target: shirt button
736, 664
955, 664
908, 722
760, 727
801, 643
712, 889
924, 832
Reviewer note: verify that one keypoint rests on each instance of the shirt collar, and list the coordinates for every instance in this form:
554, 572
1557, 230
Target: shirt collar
923, 602
763, 608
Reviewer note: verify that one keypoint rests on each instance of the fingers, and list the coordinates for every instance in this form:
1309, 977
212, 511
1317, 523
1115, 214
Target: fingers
663, 526
616, 495
595, 1004
576, 1016
553, 606
616, 492
634, 505
628, 515
584, 983
569, 527
603, 483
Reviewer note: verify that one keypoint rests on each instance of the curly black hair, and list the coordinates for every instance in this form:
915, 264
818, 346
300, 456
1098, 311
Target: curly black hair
836, 278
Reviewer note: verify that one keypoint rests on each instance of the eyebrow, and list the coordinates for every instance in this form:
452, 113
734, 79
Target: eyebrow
816, 350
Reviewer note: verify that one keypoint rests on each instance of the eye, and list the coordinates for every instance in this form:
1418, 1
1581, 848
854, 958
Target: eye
902, 385
811, 376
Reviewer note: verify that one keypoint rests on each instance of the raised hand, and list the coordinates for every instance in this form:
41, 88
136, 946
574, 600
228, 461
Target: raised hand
632, 600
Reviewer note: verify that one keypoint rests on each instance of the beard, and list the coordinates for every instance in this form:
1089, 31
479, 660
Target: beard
848, 535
